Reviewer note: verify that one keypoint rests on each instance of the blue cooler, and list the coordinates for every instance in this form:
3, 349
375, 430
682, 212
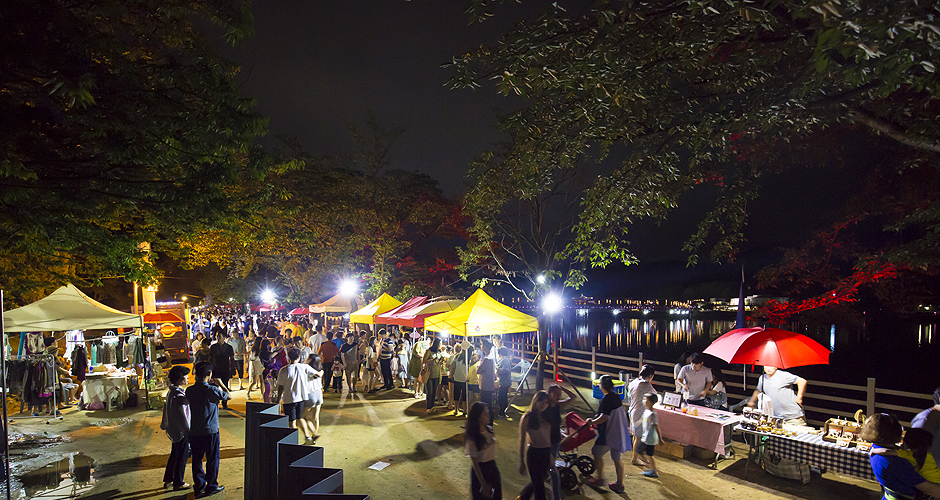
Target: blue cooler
619, 387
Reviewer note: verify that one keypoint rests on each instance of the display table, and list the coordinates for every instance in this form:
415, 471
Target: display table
710, 429
810, 449
104, 388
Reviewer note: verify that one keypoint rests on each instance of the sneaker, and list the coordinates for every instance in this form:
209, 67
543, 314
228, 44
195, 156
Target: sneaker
184, 486
650, 473
616, 488
212, 491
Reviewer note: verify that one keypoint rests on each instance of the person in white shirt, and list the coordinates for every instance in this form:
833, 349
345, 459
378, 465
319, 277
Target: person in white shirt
696, 380
638, 388
316, 339
294, 384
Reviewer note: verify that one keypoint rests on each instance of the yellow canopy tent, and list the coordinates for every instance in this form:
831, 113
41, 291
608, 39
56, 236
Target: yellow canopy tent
367, 314
481, 315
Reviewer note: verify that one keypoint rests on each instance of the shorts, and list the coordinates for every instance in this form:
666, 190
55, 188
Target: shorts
600, 449
474, 388
645, 449
314, 400
293, 410
445, 380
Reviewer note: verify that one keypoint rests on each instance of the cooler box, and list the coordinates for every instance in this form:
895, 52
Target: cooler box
619, 387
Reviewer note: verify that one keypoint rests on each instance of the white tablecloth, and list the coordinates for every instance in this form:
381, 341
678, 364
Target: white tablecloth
100, 389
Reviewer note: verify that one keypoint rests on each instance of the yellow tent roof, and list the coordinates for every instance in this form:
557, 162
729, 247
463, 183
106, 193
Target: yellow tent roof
367, 314
481, 315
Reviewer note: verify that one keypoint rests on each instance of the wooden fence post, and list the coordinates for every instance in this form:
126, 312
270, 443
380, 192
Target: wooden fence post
642, 359
555, 348
870, 397
593, 362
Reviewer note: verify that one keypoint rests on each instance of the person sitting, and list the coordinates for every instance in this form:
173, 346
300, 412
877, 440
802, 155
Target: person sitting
718, 395
895, 474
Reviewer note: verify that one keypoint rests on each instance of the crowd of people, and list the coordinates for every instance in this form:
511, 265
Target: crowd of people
294, 363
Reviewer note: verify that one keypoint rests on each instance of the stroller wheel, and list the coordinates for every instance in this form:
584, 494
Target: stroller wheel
585, 464
569, 480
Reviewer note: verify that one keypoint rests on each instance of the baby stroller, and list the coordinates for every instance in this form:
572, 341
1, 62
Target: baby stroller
579, 432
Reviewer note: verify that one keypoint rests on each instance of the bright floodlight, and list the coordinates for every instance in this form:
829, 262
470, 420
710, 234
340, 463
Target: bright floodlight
268, 297
540, 279
551, 304
348, 288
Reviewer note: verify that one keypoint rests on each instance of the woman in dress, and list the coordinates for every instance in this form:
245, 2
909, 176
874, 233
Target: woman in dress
480, 446
536, 429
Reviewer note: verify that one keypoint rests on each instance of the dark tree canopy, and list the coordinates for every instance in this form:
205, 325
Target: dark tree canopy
681, 94
120, 125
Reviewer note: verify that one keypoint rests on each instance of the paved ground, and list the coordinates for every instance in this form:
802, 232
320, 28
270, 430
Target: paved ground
425, 453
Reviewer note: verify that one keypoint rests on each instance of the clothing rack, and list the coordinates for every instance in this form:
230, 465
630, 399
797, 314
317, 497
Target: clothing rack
56, 415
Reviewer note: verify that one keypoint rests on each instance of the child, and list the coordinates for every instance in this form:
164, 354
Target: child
916, 450
650, 435
338, 374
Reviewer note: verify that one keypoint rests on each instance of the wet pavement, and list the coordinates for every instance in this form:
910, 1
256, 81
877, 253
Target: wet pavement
120, 455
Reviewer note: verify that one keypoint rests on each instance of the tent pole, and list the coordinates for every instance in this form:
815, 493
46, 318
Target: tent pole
566, 379
535, 361
146, 358
6, 421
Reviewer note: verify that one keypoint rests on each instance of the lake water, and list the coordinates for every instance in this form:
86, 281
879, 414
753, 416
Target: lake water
901, 353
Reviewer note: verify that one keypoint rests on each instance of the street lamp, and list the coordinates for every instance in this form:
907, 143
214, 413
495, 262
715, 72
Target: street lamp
551, 303
540, 279
268, 296
348, 288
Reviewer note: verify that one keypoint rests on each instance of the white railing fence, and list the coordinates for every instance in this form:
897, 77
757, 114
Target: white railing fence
823, 400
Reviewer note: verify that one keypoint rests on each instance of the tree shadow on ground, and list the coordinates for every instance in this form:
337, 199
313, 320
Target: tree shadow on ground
428, 449
151, 462
114, 494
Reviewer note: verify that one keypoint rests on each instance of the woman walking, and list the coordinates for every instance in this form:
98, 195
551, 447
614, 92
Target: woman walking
349, 353
480, 446
314, 400
536, 429
255, 368
431, 370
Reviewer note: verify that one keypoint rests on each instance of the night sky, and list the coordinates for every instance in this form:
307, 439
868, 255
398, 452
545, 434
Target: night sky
317, 67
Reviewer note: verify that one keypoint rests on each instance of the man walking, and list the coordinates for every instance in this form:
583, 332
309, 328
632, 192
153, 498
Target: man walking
387, 350
204, 397
487, 375
241, 353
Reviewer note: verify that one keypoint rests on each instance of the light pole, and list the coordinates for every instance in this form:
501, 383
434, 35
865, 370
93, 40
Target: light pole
551, 304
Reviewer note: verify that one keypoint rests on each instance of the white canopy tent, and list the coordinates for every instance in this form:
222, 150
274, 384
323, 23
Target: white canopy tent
67, 308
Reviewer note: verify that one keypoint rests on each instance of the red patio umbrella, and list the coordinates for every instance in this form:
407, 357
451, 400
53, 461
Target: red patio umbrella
768, 347
300, 311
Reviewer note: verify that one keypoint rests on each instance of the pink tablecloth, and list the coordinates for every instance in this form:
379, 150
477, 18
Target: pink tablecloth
707, 430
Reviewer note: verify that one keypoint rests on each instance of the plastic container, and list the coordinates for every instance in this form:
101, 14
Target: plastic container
620, 387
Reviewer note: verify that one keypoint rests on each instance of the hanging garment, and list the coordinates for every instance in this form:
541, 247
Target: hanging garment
79, 362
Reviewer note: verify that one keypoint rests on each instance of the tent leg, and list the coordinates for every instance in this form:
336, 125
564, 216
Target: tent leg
564, 376
525, 375
6, 421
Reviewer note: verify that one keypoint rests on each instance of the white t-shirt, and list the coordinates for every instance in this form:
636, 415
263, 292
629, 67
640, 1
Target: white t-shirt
697, 381
315, 341
650, 421
637, 389
781, 390
297, 381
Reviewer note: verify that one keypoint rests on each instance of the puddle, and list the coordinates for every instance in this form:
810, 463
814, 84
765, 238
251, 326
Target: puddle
111, 422
68, 477
20, 441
